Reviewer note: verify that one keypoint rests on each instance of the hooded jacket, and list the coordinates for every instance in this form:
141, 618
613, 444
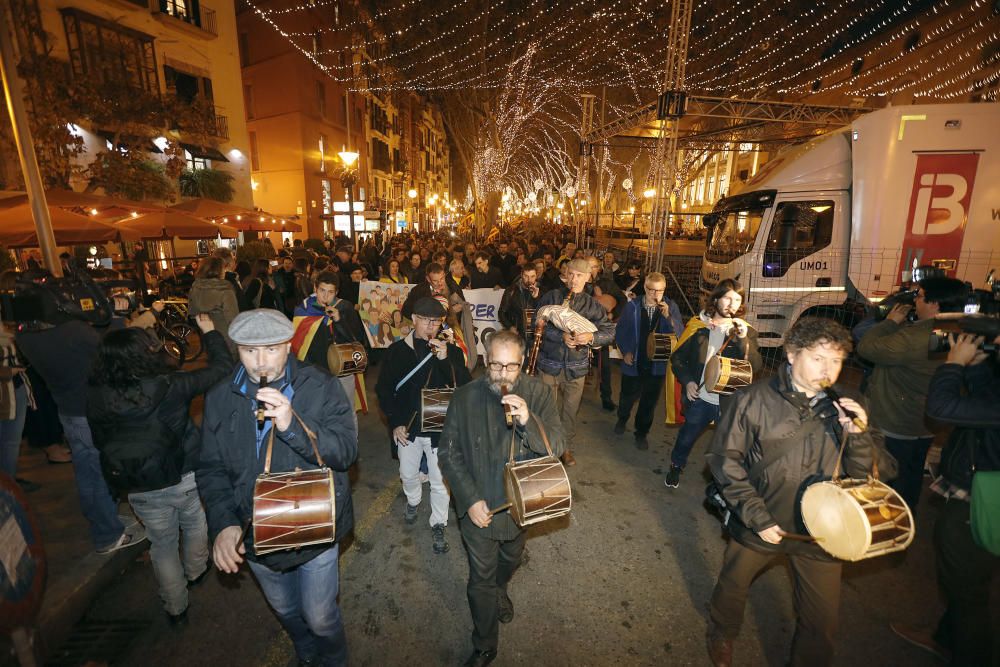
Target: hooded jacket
215, 297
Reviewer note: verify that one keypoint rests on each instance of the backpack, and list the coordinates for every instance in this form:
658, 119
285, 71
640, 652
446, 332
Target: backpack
139, 453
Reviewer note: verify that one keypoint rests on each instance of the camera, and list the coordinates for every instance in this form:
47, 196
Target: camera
908, 295
977, 325
40, 297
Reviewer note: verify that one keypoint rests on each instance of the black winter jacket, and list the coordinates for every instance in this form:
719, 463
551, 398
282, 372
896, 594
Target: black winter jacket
769, 445
975, 442
159, 410
229, 463
512, 304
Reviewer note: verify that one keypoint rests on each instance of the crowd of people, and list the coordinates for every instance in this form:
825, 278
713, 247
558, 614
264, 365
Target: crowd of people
277, 401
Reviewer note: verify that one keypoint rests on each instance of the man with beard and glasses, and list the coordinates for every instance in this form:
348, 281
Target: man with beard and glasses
475, 445
717, 329
520, 296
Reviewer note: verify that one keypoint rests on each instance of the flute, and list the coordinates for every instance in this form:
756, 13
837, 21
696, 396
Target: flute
260, 406
851, 414
507, 415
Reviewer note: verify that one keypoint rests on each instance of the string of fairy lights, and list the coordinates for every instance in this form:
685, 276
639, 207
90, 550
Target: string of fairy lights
537, 59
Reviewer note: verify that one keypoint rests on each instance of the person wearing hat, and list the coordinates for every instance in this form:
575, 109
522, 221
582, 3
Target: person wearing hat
301, 584
564, 356
421, 360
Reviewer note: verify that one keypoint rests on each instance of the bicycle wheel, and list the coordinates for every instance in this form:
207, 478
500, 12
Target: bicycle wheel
190, 338
172, 345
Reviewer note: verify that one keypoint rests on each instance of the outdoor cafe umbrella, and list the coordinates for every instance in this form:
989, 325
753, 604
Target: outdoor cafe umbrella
17, 227
168, 223
237, 217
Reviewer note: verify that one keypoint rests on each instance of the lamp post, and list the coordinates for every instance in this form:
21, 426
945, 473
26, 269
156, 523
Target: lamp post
412, 194
348, 179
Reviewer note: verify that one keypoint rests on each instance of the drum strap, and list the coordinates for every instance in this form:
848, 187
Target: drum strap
309, 433
541, 429
414, 371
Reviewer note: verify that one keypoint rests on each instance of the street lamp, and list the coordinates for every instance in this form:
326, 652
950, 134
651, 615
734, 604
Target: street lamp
412, 194
348, 179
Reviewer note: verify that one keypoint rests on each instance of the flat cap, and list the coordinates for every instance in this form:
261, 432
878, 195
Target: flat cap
261, 326
580, 266
429, 307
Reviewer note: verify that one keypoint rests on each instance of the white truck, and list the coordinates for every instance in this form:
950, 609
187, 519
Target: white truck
841, 221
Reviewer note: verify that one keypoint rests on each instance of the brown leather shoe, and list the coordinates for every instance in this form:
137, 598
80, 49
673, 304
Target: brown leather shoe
720, 651
567, 459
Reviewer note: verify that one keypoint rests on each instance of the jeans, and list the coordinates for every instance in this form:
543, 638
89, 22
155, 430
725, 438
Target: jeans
491, 565
568, 393
409, 474
911, 456
167, 513
816, 598
647, 388
95, 498
11, 431
965, 572
305, 602
698, 414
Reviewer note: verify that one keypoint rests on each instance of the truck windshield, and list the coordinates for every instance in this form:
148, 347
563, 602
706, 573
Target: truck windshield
734, 234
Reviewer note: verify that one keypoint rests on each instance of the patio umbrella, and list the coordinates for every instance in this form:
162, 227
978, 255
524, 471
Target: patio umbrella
84, 203
168, 223
17, 227
237, 217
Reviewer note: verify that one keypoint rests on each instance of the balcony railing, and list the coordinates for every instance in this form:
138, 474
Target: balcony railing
190, 12
222, 127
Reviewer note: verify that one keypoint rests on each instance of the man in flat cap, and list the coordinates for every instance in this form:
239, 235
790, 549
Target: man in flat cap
564, 357
422, 360
301, 584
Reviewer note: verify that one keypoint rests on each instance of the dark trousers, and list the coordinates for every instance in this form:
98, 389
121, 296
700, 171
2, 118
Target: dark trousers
910, 455
698, 415
965, 571
491, 564
816, 595
647, 388
605, 366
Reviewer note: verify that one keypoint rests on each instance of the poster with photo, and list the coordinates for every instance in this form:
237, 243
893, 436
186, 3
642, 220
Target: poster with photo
380, 306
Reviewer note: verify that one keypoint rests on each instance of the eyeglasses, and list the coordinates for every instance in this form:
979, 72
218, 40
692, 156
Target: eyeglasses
510, 368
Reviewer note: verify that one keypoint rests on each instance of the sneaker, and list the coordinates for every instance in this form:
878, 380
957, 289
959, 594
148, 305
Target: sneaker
567, 459
129, 538
641, 442
608, 405
58, 454
921, 639
440, 544
410, 516
673, 478
178, 621
127, 520
505, 608
620, 426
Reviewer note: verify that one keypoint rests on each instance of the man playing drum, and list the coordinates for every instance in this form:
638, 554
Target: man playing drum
422, 360
772, 441
564, 357
323, 319
301, 585
717, 329
475, 446
642, 377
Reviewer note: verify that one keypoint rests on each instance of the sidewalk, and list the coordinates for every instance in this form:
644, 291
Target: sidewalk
76, 573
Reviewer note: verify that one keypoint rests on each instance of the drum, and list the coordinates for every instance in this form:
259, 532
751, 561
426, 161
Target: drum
293, 509
433, 408
854, 519
537, 490
659, 346
724, 375
346, 359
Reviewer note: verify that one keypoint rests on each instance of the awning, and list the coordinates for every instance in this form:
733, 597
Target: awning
126, 140
204, 152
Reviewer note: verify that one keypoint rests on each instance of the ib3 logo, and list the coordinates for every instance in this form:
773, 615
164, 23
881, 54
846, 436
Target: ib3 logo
939, 207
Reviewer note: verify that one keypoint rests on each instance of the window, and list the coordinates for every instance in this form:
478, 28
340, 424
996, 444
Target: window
798, 230
195, 163
254, 153
248, 101
108, 53
327, 196
321, 99
733, 235
322, 153
187, 87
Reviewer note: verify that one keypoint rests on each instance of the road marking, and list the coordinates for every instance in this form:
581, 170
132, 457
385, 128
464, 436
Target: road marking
278, 653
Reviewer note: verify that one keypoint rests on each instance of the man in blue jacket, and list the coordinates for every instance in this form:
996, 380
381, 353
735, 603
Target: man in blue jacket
642, 378
301, 584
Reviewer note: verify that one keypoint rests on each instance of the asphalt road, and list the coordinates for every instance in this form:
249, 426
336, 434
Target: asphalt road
623, 581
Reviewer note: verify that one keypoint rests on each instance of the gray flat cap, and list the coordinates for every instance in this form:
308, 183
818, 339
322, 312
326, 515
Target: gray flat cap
262, 326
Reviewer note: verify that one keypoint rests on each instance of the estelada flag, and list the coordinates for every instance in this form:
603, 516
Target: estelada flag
674, 389
306, 327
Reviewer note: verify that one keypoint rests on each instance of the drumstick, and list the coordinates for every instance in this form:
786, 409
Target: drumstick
260, 406
499, 509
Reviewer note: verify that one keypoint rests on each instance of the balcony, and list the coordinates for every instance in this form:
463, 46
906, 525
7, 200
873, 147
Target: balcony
191, 15
222, 127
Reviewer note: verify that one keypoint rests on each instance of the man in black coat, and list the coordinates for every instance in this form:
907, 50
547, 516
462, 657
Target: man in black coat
300, 584
484, 275
517, 298
433, 285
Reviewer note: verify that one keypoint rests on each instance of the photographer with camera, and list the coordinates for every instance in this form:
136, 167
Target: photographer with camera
897, 389
965, 392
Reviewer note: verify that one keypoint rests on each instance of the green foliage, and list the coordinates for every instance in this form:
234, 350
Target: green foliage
129, 176
254, 250
207, 183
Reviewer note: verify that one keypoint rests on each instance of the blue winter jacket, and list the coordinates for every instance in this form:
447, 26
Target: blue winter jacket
629, 339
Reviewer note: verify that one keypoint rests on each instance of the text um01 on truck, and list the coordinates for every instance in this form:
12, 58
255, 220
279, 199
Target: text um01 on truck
841, 220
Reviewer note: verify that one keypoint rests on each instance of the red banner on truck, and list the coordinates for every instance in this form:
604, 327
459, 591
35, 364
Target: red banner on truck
939, 210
